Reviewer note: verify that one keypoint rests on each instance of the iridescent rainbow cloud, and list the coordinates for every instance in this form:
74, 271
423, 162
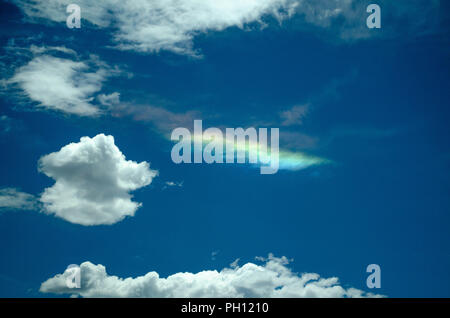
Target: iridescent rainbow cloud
245, 146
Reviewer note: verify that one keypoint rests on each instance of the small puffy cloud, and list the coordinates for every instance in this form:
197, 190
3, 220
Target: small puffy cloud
11, 198
62, 84
92, 182
172, 184
273, 278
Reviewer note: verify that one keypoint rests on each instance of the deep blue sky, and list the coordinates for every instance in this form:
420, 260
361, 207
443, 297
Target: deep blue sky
385, 200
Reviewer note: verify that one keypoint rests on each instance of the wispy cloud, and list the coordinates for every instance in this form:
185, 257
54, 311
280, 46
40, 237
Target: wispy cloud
7, 124
294, 115
161, 119
151, 26
172, 25
214, 255
14, 199
173, 184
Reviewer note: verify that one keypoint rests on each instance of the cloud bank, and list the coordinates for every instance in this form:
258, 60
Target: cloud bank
92, 182
270, 279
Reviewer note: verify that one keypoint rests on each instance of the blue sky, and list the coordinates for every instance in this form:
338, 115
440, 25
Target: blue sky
374, 102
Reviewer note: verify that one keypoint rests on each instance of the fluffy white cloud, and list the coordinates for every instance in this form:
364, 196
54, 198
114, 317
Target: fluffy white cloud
271, 279
61, 84
11, 198
93, 181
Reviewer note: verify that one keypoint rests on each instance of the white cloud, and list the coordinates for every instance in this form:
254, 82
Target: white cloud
11, 198
93, 181
172, 24
42, 49
271, 279
62, 84
151, 26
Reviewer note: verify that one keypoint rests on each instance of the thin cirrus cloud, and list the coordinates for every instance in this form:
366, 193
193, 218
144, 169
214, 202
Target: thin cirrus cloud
14, 199
273, 278
93, 181
162, 119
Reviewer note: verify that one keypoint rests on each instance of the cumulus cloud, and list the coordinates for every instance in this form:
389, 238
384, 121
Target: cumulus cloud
62, 84
93, 181
11, 198
273, 278
151, 26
